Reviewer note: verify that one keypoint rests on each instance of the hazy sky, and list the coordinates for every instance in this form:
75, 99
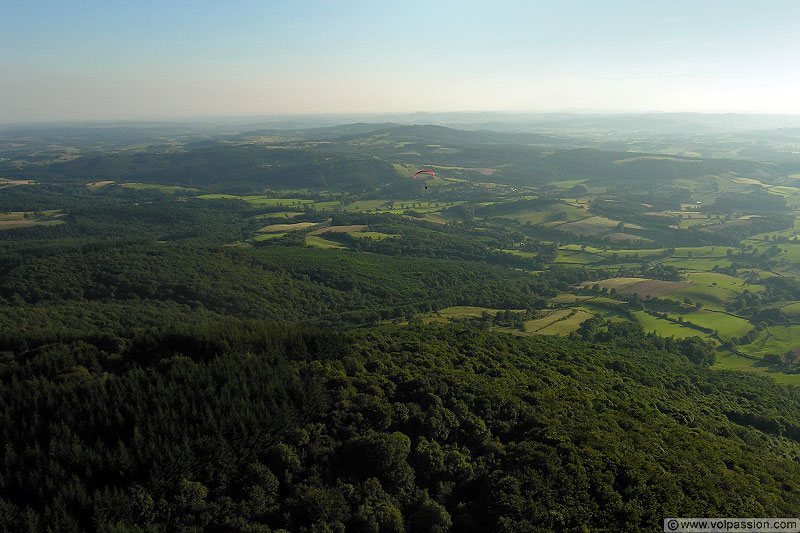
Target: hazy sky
115, 59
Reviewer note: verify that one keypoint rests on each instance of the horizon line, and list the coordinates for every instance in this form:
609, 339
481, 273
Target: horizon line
310, 114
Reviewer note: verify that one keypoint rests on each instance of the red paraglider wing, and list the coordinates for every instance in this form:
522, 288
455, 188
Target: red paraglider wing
432, 173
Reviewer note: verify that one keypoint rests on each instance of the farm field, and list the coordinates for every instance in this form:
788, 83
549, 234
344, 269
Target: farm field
709, 297
21, 219
276, 228
552, 215
726, 360
367, 205
728, 326
723, 281
581, 247
267, 236
396, 207
319, 242
600, 301
790, 253
567, 298
602, 312
99, 184
632, 254
462, 311
166, 189
339, 229
7, 183
792, 308
769, 236
654, 287
776, 340
593, 225
260, 201
615, 283
694, 222
533, 326
567, 324
791, 194
279, 215
697, 264
665, 328
435, 217
704, 252
566, 184
577, 257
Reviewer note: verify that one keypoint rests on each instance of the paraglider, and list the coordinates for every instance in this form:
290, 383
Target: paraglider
431, 172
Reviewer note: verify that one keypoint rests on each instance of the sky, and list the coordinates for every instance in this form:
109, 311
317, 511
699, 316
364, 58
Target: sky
120, 60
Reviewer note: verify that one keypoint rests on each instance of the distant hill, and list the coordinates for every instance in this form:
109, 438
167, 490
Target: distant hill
243, 165
320, 134
445, 135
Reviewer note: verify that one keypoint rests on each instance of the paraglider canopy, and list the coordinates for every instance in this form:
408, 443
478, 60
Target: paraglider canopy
432, 173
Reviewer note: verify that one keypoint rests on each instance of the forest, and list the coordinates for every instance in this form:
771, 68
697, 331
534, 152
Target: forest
244, 426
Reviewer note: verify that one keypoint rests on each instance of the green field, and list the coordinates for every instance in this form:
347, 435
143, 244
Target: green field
697, 264
624, 254
577, 257
398, 207
319, 242
283, 228
521, 253
703, 252
567, 298
791, 194
728, 326
764, 237
328, 204
280, 214
583, 248
267, 236
166, 189
726, 360
260, 201
776, 340
567, 325
792, 308
708, 294
593, 225
23, 219
665, 328
435, 217
691, 222
790, 253
713, 298
605, 314
555, 214
369, 205
463, 311
602, 300
533, 326
28, 215
614, 283
403, 170
714, 279
566, 184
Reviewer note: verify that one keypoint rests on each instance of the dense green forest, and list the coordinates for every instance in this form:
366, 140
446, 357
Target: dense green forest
244, 426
